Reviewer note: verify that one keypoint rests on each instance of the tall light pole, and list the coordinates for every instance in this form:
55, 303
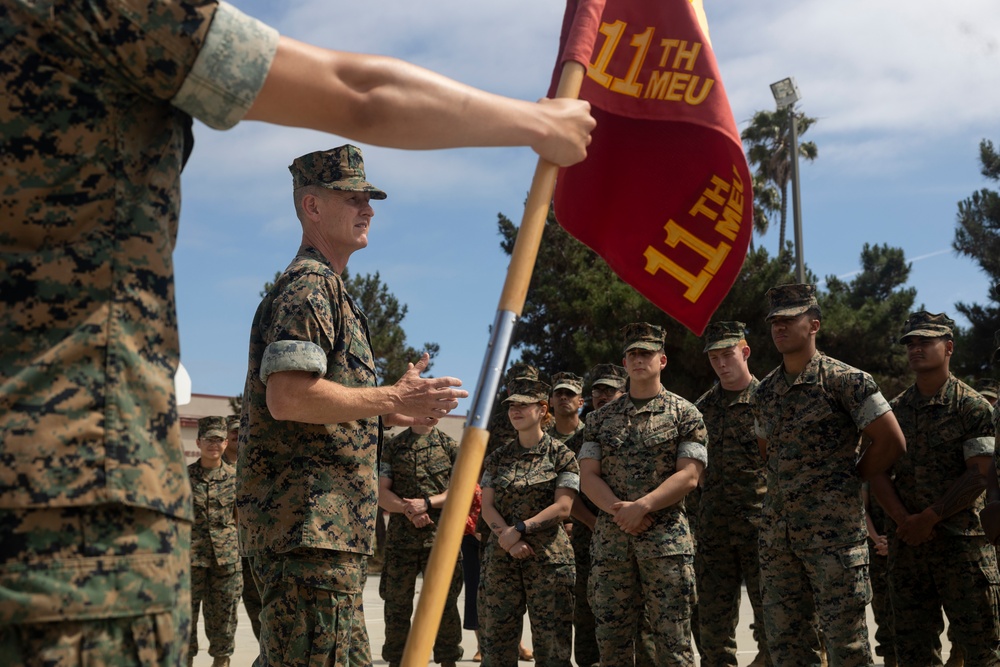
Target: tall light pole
786, 94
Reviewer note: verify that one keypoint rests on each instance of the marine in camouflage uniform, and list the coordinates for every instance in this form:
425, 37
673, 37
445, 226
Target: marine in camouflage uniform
939, 556
607, 384
520, 485
95, 503
501, 430
809, 413
566, 402
641, 455
307, 492
733, 489
414, 474
216, 575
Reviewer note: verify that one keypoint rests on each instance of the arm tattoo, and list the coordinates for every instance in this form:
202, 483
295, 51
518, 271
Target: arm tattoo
538, 526
495, 527
961, 494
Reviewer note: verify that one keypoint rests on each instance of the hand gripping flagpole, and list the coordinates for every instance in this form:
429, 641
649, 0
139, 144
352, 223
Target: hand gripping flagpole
465, 475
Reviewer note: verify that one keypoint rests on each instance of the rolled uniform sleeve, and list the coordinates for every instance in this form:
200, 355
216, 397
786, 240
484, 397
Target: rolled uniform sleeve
590, 450
568, 480
230, 69
292, 355
693, 450
870, 409
984, 446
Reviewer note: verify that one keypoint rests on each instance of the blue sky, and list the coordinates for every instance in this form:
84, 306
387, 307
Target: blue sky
904, 90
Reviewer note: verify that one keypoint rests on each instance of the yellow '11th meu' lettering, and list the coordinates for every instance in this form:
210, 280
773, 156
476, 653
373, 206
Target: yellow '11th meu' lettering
721, 202
671, 84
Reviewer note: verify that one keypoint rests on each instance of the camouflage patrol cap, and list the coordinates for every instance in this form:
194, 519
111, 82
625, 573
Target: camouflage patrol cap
524, 390
569, 381
987, 387
232, 422
791, 300
340, 168
612, 375
642, 335
212, 427
721, 335
520, 371
927, 325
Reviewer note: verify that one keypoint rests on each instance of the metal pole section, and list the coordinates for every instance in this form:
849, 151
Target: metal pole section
493, 364
800, 269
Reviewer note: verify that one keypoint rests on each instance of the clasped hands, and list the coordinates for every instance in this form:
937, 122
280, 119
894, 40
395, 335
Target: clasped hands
511, 542
631, 516
416, 510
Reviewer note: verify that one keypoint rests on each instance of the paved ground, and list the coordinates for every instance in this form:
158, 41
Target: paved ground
246, 645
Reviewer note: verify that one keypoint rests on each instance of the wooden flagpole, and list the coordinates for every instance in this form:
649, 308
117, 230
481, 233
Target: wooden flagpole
465, 475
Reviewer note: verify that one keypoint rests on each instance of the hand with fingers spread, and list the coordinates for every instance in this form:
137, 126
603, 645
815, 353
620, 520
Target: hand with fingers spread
423, 401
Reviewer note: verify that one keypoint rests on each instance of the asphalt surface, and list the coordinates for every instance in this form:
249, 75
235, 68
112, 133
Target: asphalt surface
246, 644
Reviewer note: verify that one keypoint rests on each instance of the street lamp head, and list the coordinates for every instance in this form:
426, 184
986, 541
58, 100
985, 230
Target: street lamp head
785, 92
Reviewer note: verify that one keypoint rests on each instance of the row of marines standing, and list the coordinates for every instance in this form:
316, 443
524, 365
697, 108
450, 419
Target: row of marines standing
812, 553
798, 522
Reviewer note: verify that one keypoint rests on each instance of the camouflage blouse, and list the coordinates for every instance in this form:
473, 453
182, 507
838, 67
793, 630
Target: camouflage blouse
813, 429
942, 432
213, 536
419, 466
307, 485
524, 482
638, 450
734, 484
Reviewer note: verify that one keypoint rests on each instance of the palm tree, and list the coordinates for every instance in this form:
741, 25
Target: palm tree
768, 145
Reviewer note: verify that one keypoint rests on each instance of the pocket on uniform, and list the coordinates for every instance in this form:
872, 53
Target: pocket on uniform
326, 573
854, 561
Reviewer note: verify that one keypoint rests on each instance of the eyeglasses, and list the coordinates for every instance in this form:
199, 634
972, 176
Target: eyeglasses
603, 390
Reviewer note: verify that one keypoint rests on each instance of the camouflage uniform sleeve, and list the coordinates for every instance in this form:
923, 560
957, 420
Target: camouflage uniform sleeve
303, 326
693, 434
292, 355
388, 453
979, 426
230, 69
856, 392
591, 448
567, 467
489, 469
449, 445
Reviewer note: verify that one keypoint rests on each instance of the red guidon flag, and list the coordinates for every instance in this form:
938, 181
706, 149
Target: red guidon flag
664, 195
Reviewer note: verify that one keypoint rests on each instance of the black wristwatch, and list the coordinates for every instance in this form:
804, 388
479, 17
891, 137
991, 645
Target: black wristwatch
520, 527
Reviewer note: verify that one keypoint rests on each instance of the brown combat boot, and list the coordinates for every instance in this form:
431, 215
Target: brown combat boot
221, 661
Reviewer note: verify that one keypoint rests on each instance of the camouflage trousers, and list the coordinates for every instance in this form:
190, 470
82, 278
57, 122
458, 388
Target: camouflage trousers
251, 597
829, 585
216, 589
623, 592
881, 605
726, 558
953, 572
506, 588
397, 585
585, 649
102, 585
312, 609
